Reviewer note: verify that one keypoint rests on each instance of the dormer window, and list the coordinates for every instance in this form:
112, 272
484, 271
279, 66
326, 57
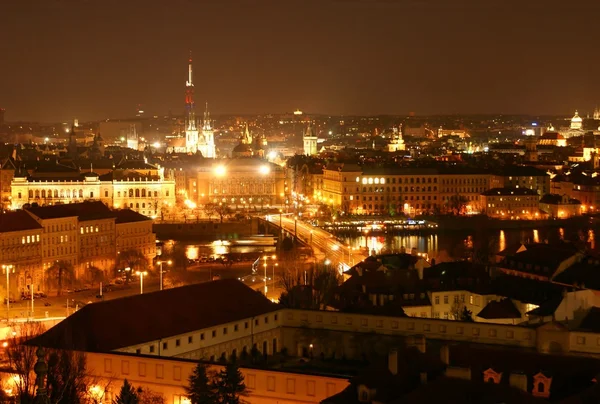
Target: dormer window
491, 376
541, 385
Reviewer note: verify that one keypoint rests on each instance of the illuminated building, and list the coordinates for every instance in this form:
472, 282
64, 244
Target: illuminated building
522, 177
191, 131
133, 184
206, 144
367, 191
560, 206
240, 183
132, 138
21, 246
596, 114
134, 232
510, 203
397, 143
552, 138
576, 127
85, 235
310, 141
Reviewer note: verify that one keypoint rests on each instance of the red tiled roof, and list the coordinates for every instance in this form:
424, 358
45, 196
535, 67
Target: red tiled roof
119, 323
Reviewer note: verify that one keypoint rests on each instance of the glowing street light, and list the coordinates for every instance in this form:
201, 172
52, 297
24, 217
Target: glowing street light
169, 262
7, 269
220, 170
264, 169
141, 274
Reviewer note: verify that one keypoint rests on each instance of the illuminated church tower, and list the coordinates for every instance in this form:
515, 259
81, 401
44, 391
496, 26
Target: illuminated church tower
206, 146
191, 131
310, 141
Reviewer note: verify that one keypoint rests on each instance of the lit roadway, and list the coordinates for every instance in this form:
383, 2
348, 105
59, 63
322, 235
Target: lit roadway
322, 242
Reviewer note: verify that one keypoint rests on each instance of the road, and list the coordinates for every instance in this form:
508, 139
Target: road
56, 306
323, 243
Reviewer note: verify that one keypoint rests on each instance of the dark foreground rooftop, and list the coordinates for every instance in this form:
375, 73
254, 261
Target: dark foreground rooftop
119, 323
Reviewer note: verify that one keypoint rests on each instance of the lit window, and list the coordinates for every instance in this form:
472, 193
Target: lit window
376, 180
357, 179
382, 181
364, 181
28, 239
23, 240
370, 180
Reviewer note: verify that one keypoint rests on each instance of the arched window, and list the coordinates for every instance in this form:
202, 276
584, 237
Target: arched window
62, 193
31, 193
81, 193
131, 193
74, 193
43, 193
143, 193
143, 205
56, 193
137, 193
156, 194
540, 387
137, 205
119, 194
37, 194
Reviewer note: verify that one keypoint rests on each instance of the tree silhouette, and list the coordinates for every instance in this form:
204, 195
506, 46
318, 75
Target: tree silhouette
230, 384
127, 395
200, 389
61, 274
133, 259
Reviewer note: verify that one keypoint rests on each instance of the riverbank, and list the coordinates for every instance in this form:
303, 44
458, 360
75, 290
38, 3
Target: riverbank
206, 230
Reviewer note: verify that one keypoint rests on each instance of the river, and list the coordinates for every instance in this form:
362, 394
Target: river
446, 244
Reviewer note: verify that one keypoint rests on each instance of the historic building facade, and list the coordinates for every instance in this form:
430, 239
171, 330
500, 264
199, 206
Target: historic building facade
357, 190
133, 184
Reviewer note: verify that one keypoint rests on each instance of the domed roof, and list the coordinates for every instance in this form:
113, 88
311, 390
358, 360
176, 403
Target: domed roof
242, 148
576, 118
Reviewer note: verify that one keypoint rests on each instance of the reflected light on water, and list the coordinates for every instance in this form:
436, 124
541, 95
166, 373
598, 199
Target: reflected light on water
561, 232
502, 241
536, 236
220, 247
592, 239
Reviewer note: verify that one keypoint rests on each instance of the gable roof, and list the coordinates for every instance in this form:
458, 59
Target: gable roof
17, 221
129, 216
133, 320
504, 309
84, 211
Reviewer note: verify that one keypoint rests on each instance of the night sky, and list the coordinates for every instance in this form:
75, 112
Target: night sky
94, 59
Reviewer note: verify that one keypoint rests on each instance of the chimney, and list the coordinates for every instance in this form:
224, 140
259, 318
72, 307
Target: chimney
393, 361
518, 380
445, 355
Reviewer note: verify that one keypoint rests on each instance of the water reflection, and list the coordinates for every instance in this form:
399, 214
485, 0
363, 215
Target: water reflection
447, 244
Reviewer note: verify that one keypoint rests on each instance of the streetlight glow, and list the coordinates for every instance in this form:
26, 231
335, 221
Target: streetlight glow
220, 170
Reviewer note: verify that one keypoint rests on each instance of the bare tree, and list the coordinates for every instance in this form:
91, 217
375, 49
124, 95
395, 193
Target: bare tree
135, 260
61, 274
22, 358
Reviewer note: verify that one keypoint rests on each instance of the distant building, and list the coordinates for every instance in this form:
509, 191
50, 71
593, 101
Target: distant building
560, 206
133, 184
310, 141
510, 203
552, 139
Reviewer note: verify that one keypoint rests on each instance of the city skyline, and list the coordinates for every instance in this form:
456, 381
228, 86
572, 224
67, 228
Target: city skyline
95, 60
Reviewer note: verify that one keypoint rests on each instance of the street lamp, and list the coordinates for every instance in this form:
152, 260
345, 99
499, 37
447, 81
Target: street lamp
265, 267
141, 275
7, 269
169, 262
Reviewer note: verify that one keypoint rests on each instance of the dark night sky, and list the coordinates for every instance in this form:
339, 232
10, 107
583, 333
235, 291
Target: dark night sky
95, 59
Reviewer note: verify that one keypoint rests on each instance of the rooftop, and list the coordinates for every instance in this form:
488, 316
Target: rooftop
17, 221
509, 191
157, 315
84, 211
